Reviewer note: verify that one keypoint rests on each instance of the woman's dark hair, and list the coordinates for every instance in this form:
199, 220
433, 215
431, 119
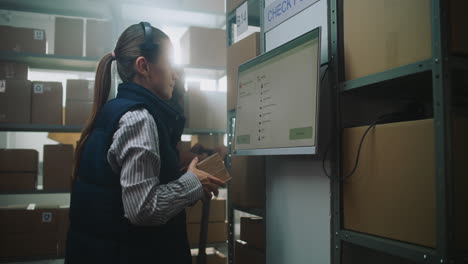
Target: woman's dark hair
127, 50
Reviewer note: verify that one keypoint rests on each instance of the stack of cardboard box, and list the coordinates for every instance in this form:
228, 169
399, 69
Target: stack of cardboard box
80, 95
217, 227
251, 246
31, 231
18, 169
70, 34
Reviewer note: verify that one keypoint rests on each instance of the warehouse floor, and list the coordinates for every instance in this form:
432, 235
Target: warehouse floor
55, 261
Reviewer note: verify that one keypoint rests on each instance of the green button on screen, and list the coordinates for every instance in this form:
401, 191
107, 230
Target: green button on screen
300, 133
244, 139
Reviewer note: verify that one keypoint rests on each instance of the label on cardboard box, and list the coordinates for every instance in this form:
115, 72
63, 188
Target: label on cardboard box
2, 86
90, 85
39, 34
46, 217
38, 88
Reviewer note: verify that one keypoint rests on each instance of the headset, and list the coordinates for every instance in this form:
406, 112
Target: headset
148, 47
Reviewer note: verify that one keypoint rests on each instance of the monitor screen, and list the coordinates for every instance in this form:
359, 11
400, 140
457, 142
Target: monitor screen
277, 100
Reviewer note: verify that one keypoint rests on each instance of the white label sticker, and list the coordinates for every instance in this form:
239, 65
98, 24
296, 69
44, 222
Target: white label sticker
2, 86
242, 18
90, 85
46, 217
31, 206
39, 34
38, 88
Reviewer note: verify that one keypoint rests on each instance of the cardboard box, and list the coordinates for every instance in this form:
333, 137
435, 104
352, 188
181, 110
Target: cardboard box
393, 34
46, 103
77, 112
204, 47
99, 39
247, 255
217, 232
217, 211
18, 181
231, 5
23, 40
212, 256
458, 23
15, 101
18, 169
208, 141
58, 167
13, 70
19, 160
237, 54
392, 192
253, 232
214, 166
29, 231
69, 33
205, 110
81, 90
248, 181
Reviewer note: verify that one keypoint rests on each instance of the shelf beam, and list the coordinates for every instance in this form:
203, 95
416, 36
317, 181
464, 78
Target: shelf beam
403, 71
392, 247
39, 128
253, 211
52, 62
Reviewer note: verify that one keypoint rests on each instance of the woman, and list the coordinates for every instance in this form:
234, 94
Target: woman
128, 196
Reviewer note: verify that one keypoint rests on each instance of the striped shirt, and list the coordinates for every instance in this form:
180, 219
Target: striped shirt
134, 154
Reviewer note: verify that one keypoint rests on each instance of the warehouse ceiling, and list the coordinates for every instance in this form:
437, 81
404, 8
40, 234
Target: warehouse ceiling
207, 13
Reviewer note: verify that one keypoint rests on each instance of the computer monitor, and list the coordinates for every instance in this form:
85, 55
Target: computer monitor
277, 100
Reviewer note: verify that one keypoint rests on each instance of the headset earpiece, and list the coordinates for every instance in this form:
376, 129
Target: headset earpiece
148, 47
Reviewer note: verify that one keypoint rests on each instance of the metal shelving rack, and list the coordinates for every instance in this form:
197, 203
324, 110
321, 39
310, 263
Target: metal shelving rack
439, 67
255, 18
231, 115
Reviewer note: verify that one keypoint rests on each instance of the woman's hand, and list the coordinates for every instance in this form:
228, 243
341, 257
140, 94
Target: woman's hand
210, 183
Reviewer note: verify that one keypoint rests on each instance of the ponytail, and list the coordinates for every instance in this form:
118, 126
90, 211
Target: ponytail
102, 87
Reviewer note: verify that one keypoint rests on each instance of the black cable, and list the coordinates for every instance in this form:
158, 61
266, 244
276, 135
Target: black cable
356, 163
324, 74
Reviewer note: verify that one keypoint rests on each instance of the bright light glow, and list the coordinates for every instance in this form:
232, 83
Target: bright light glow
205, 84
186, 138
165, 16
175, 34
222, 84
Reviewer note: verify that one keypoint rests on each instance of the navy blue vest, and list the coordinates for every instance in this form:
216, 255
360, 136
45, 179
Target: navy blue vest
99, 232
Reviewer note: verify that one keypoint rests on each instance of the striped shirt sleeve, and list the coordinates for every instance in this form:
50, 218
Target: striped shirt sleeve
134, 154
